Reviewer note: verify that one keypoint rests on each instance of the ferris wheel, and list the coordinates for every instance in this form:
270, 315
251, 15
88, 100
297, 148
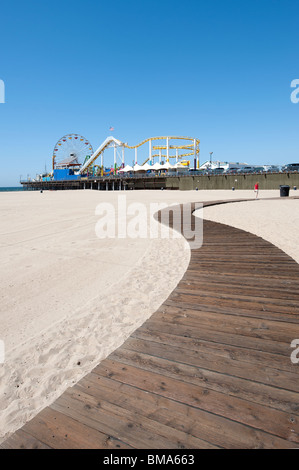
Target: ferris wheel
71, 151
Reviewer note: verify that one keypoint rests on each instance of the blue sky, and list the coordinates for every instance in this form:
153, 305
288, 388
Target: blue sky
217, 70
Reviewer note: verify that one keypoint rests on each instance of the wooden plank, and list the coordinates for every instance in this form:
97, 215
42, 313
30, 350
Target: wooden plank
192, 347
125, 425
209, 334
263, 394
280, 287
235, 300
233, 310
219, 360
207, 426
59, 431
214, 270
245, 326
22, 440
227, 289
267, 419
259, 309
243, 292
234, 280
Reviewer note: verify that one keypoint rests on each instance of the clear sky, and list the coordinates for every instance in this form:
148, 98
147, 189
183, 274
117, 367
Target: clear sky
218, 70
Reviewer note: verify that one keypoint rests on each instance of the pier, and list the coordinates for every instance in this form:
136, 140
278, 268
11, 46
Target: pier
193, 181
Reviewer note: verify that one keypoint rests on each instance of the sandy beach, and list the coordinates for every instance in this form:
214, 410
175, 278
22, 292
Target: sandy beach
69, 298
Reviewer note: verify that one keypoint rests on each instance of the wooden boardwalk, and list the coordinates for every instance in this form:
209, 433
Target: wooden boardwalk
211, 368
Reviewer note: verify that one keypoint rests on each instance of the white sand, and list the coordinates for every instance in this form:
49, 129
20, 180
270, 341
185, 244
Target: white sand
68, 298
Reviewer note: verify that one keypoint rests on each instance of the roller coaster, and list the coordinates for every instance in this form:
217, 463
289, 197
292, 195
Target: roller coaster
158, 150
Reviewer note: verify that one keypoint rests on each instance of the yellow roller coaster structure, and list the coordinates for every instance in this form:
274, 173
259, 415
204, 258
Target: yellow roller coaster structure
192, 150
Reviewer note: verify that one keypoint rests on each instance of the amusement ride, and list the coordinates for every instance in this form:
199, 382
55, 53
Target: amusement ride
75, 153
71, 151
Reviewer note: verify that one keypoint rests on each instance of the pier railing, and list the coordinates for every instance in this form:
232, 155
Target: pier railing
173, 174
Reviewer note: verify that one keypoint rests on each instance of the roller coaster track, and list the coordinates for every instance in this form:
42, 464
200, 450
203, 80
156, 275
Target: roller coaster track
162, 138
107, 142
112, 140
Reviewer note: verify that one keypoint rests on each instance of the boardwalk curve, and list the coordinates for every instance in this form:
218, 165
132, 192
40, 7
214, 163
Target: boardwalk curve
211, 368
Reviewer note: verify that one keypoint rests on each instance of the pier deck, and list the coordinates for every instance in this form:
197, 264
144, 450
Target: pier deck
211, 368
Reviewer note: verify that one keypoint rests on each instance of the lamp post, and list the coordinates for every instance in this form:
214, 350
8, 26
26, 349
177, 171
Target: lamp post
211, 153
